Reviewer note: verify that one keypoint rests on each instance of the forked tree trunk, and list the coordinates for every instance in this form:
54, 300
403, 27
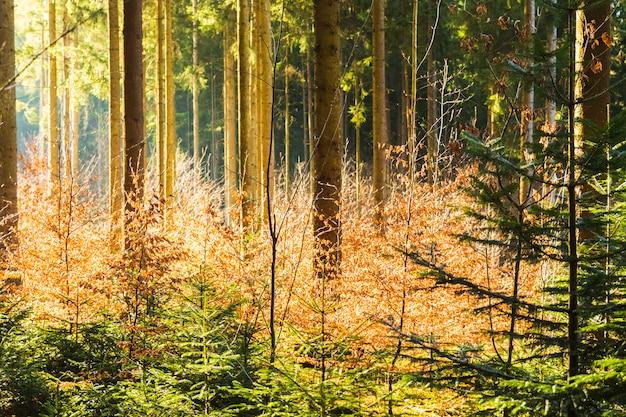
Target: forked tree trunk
326, 157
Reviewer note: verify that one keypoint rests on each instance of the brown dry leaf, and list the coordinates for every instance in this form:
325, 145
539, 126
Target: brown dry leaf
607, 39
504, 22
451, 9
481, 10
488, 39
596, 66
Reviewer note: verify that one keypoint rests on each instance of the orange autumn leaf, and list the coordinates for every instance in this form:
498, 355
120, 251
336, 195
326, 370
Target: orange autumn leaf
607, 39
596, 66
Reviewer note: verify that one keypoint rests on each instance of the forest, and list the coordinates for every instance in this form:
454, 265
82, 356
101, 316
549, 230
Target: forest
312, 208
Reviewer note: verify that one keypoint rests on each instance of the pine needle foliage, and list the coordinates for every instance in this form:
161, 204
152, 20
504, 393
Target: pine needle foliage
525, 371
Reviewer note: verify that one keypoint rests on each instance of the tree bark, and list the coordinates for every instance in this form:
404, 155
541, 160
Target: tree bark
326, 158
161, 127
230, 115
247, 150
53, 118
380, 124
265, 85
116, 190
170, 110
195, 90
134, 105
8, 131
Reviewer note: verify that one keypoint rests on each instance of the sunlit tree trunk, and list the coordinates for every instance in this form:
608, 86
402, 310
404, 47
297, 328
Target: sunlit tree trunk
230, 114
8, 131
66, 123
327, 152
75, 116
431, 104
170, 110
380, 124
53, 118
160, 98
43, 90
116, 190
195, 90
265, 85
248, 159
310, 85
134, 114
412, 116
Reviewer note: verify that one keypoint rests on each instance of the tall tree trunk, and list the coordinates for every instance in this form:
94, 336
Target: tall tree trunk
412, 128
66, 123
116, 191
528, 104
431, 103
8, 131
230, 114
75, 116
53, 118
380, 124
160, 98
247, 149
195, 90
327, 152
170, 110
591, 95
43, 90
287, 123
134, 105
265, 85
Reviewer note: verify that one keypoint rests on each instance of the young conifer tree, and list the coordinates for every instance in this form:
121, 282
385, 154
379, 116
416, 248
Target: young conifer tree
563, 352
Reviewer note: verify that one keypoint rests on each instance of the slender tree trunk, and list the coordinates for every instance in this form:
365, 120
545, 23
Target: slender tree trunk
432, 143
287, 123
66, 123
134, 105
380, 124
230, 114
247, 149
327, 153
170, 110
357, 144
43, 90
412, 128
160, 98
265, 85
195, 90
75, 117
310, 85
8, 131
528, 105
53, 118
116, 190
